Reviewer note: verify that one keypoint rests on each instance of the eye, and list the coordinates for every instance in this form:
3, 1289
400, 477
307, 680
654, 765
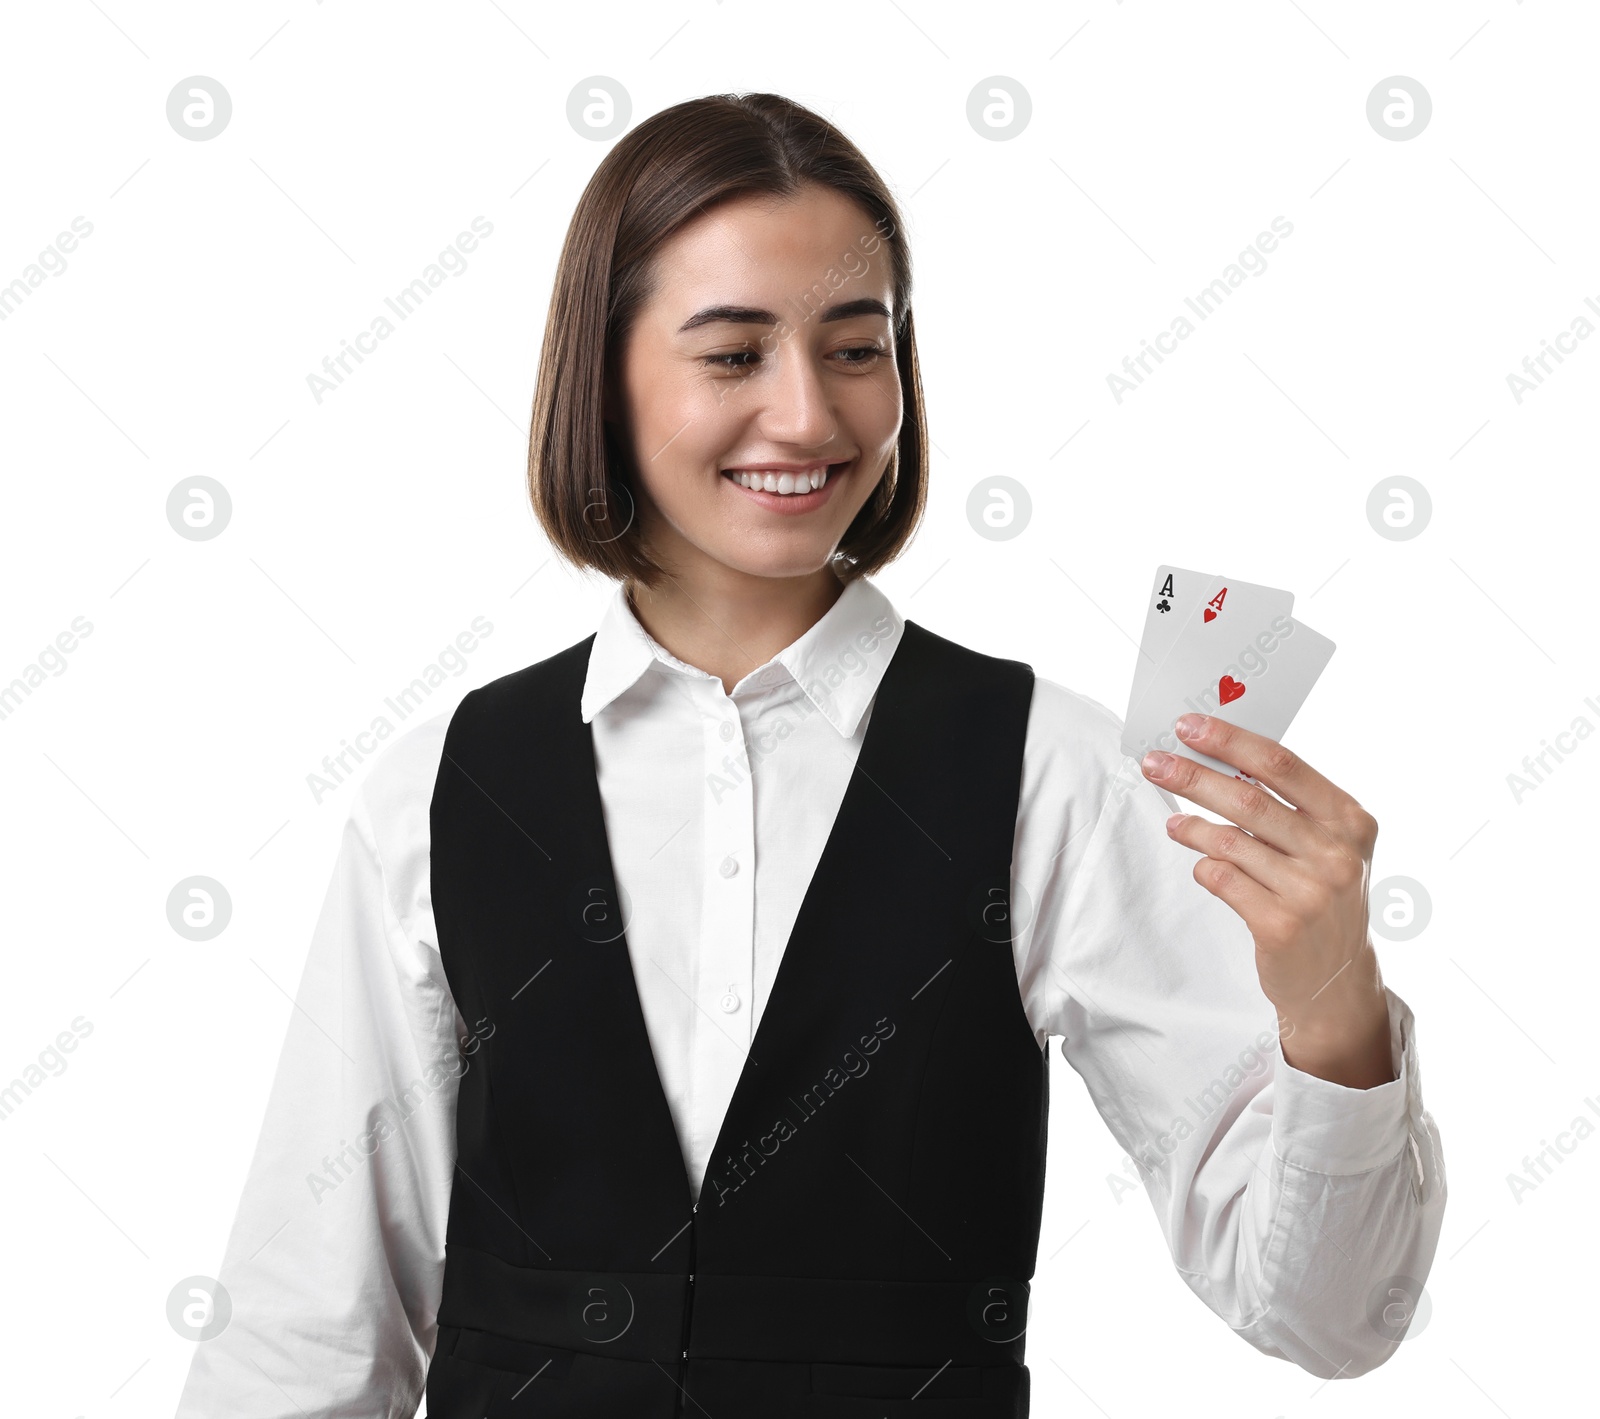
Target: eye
741, 360
867, 353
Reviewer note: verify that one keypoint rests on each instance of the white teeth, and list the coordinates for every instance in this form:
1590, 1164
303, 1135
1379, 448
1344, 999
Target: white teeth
785, 483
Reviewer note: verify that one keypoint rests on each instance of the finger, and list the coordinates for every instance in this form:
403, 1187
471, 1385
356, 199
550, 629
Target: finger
1346, 831
1281, 769
1348, 824
1262, 911
1247, 804
1228, 843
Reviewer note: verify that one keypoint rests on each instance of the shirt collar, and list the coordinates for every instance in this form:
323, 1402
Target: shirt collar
838, 663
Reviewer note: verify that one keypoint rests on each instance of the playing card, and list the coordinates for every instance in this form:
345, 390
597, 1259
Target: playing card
1173, 595
1227, 613
1257, 680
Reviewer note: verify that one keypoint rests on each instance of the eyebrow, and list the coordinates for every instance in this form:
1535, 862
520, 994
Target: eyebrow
752, 315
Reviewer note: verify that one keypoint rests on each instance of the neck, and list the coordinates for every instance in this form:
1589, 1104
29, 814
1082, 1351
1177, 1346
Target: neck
727, 623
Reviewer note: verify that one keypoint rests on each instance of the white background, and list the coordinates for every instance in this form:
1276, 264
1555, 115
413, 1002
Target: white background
369, 530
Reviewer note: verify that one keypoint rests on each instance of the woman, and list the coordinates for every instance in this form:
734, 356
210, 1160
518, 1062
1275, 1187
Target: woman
693, 985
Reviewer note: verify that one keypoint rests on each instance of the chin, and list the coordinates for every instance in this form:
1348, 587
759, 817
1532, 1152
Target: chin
784, 563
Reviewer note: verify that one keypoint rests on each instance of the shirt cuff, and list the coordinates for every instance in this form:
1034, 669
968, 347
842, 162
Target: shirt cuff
1325, 1127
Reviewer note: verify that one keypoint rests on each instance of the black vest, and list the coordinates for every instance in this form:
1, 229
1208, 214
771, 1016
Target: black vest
870, 1214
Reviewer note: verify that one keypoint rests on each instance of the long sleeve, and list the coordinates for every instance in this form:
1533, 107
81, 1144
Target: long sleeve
1300, 1211
335, 1260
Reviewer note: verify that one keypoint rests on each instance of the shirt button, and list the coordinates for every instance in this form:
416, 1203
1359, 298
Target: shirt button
730, 1001
729, 866
726, 731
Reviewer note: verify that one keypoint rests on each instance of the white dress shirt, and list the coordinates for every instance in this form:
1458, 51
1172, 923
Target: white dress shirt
1284, 1198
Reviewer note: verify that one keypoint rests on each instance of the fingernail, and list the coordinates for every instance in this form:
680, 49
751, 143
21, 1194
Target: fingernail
1174, 820
1157, 763
1190, 725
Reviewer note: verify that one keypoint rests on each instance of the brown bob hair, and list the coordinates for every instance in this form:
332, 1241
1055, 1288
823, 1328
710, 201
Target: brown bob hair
671, 168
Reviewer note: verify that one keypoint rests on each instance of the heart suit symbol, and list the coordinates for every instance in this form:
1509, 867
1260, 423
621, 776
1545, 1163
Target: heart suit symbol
1229, 689
1210, 615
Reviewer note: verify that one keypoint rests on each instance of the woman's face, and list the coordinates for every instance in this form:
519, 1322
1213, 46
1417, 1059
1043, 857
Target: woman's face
767, 349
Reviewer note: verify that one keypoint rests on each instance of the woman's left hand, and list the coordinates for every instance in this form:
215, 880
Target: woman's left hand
1297, 871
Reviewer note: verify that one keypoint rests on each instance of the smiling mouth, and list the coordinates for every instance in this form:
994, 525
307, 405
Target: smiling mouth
788, 483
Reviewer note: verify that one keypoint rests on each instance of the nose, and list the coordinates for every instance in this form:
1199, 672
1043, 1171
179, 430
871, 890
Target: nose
795, 408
